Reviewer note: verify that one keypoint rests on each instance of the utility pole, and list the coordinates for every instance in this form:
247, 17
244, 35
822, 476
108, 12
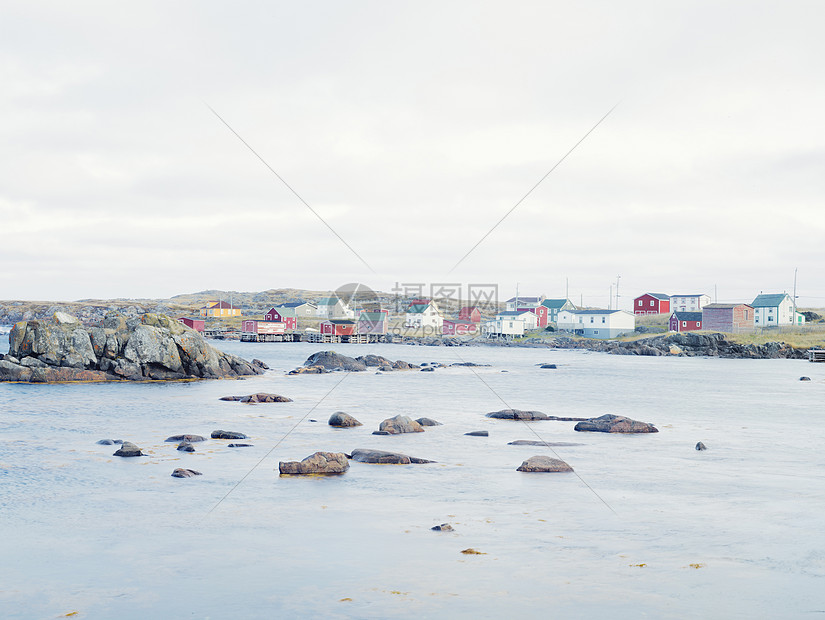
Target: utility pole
610, 298
617, 291
793, 320
566, 289
516, 306
715, 295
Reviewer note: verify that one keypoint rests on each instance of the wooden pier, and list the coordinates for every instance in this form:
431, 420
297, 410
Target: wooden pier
288, 337
816, 355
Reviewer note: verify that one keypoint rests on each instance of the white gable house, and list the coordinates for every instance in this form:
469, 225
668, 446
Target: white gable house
424, 315
689, 303
596, 323
529, 319
504, 327
334, 308
772, 310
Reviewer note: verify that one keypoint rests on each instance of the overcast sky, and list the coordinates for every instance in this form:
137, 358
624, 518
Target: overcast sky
412, 128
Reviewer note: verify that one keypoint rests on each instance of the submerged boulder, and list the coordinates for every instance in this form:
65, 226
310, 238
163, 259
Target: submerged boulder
318, 463
478, 434
261, 397
549, 444
543, 463
610, 423
186, 438
180, 472
343, 420
127, 448
227, 435
428, 422
380, 456
444, 527
400, 424
517, 414
700, 446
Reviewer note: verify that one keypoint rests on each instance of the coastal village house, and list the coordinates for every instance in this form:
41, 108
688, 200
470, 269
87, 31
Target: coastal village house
283, 315
424, 313
688, 303
334, 308
301, 308
775, 309
373, 322
250, 327
196, 324
597, 323
220, 309
728, 318
338, 327
459, 327
554, 306
651, 303
527, 316
469, 313
514, 303
503, 327
685, 321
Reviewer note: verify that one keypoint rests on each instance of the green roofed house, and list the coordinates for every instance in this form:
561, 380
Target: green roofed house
424, 313
373, 322
554, 306
334, 308
774, 309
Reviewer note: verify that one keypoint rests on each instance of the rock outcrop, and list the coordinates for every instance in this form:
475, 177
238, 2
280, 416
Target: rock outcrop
517, 414
610, 423
227, 435
380, 456
180, 472
149, 347
343, 420
543, 463
318, 463
330, 360
261, 397
428, 422
127, 448
549, 444
399, 424
186, 438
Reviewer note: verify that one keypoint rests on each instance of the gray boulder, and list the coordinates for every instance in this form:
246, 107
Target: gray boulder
800, 378
261, 397
343, 420
318, 463
543, 463
400, 424
239, 445
186, 438
428, 422
610, 423
109, 442
700, 446
380, 456
330, 360
185, 446
180, 472
444, 527
374, 360
227, 435
549, 444
478, 434
127, 448
517, 414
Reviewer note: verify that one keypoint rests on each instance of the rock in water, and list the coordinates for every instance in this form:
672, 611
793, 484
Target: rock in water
478, 434
380, 456
804, 378
239, 445
153, 346
180, 472
186, 438
261, 397
186, 447
343, 420
109, 442
330, 360
516, 414
544, 464
227, 435
318, 463
533, 442
427, 369
428, 422
610, 423
260, 364
400, 424
127, 448
444, 527
701, 446
549, 366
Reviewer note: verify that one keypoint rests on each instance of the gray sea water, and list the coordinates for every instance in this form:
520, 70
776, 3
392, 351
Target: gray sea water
647, 527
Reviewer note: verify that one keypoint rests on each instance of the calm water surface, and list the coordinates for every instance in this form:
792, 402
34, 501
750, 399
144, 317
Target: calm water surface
649, 528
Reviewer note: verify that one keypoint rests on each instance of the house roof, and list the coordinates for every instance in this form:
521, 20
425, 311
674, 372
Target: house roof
594, 311
220, 304
295, 304
724, 306
659, 296
688, 316
514, 312
460, 322
341, 321
690, 295
328, 301
555, 304
529, 300
284, 311
373, 316
468, 309
769, 301
417, 308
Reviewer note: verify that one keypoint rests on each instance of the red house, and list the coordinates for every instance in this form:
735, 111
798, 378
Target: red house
197, 324
338, 327
459, 327
728, 318
283, 315
373, 322
540, 312
651, 303
469, 313
685, 321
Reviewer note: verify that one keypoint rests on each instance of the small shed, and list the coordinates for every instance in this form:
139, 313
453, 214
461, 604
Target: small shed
685, 321
197, 324
338, 327
470, 313
373, 322
728, 318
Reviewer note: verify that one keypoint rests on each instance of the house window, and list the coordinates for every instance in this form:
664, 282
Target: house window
591, 319
684, 323
603, 320
595, 331
651, 302
698, 324
640, 302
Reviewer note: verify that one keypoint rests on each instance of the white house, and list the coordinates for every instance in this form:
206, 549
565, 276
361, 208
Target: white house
596, 323
504, 327
424, 315
529, 318
523, 302
554, 306
689, 303
334, 308
772, 310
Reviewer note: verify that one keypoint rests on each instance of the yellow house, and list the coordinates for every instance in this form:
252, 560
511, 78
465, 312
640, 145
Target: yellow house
220, 309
